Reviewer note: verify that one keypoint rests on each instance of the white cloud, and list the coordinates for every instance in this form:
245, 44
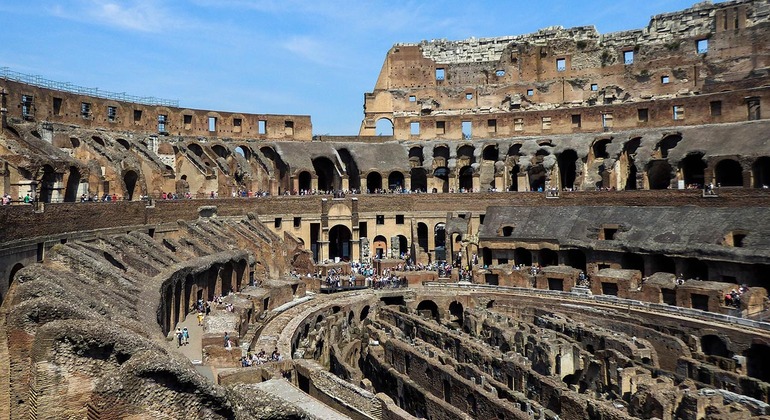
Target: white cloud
133, 15
311, 50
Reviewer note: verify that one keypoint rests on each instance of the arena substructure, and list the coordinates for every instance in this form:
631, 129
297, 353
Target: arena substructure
559, 225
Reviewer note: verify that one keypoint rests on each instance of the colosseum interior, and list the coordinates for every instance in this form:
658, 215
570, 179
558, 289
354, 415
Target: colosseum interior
557, 225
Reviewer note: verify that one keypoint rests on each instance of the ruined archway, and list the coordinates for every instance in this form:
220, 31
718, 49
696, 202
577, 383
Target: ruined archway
693, 170
304, 181
667, 143
244, 151
422, 236
456, 313
567, 162
73, 185
442, 173
340, 243
490, 152
546, 257
466, 178
522, 256
728, 173
384, 127
374, 182
659, 175
428, 308
47, 184
380, 247
713, 345
627, 160
760, 171
130, 178
11, 276
757, 362
403, 246
328, 176
514, 174
396, 181
351, 169
439, 239
419, 179
537, 174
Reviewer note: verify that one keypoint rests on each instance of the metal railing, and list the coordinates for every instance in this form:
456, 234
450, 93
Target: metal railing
39, 81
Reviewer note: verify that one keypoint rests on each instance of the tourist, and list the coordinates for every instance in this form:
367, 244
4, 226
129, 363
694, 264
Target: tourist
186, 336
200, 319
179, 337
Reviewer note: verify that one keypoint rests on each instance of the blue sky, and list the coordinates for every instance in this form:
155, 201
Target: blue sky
309, 57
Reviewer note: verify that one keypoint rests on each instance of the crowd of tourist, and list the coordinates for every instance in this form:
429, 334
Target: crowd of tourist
734, 297
255, 359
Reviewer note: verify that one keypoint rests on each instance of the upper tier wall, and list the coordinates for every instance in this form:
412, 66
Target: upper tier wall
32, 103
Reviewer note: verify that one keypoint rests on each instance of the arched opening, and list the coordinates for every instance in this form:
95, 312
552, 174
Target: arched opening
374, 182
575, 258
486, 256
364, 313
728, 173
304, 181
466, 178
547, 257
757, 362
693, 170
384, 127
693, 268
14, 270
47, 184
659, 175
98, 140
456, 314
419, 179
514, 178
73, 184
537, 174
396, 181
379, 247
660, 263
130, 178
442, 173
465, 152
328, 176
220, 151
629, 152
506, 231
439, 238
567, 161
280, 168
416, 156
422, 236
428, 308
75, 142
599, 148
761, 172
340, 243
631, 261
124, 143
403, 247
196, 149
712, 345
490, 153
668, 143
244, 151
351, 169
522, 256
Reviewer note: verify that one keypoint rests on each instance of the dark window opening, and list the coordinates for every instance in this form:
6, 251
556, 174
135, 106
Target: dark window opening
610, 289
440, 127
85, 110
297, 222
137, 115
576, 121
380, 219
754, 109
57, 106
716, 108
492, 126
643, 114
187, 121
288, 127
609, 234
399, 219
278, 222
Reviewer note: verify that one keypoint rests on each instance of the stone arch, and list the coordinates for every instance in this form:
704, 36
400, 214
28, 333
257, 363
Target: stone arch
304, 181
456, 313
659, 174
713, 345
522, 256
441, 151
693, 169
340, 243
328, 176
567, 164
465, 178
396, 180
416, 156
419, 179
384, 127
667, 144
466, 151
599, 148
422, 236
98, 140
47, 184
220, 151
490, 152
130, 179
380, 246
728, 173
439, 235
575, 258
760, 171
403, 245
73, 185
757, 362
627, 157
430, 306
196, 149
75, 142
486, 256
351, 168
364, 313
123, 142
442, 173
373, 181
514, 174
546, 257
244, 151
537, 173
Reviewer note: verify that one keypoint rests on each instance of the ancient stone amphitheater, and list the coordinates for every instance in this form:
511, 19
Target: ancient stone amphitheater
603, 198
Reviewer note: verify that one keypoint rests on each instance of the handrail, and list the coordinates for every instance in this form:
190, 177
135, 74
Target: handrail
39, 81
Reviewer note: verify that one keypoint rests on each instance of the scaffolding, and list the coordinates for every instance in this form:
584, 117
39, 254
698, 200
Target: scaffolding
36, 80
